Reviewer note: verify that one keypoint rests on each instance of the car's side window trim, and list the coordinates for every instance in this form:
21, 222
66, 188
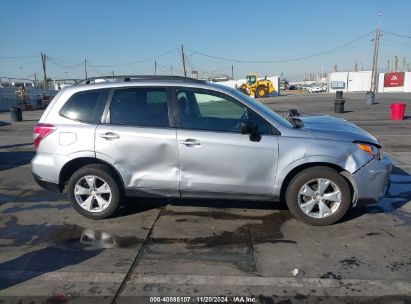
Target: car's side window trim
171, 106
179, 121
106, 114
105, 119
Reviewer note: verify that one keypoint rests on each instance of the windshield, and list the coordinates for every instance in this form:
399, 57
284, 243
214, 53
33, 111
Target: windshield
275, 116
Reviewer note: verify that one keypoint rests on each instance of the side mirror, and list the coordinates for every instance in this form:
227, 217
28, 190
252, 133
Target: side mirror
250, 127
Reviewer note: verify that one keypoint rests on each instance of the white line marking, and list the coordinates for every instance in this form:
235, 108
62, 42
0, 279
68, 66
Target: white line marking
234, 280
391, 286
63, 276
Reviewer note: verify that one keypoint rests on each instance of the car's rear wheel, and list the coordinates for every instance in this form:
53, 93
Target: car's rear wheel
94, 192
318, 196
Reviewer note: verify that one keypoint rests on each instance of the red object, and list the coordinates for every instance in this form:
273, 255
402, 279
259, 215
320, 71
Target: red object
41, 131
397, 111
395, 79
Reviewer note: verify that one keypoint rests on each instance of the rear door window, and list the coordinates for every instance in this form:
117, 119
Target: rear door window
145, 107
85, 106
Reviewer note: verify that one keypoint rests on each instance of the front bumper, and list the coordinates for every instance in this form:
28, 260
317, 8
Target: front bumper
372, 180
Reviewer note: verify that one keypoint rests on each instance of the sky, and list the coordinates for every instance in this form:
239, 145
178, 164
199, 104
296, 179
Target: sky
128, 36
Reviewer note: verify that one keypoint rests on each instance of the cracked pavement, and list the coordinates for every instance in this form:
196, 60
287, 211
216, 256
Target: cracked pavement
154, 247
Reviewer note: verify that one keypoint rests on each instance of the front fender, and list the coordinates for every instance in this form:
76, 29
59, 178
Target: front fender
294, 153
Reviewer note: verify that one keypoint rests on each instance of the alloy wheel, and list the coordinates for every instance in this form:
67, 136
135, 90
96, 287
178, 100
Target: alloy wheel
92, 193
319, 198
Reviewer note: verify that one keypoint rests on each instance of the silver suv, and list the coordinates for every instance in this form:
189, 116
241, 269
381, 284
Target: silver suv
185, 138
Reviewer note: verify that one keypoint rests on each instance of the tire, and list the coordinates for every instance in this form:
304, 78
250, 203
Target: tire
260, 92
111, 195
304, 182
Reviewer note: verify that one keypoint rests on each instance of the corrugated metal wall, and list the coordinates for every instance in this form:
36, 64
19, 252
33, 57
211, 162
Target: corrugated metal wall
337, 81
359, 81
407, 82
405, 88
349, 81
8, 97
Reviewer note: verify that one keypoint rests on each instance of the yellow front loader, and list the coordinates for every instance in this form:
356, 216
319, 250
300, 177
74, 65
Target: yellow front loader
257, 87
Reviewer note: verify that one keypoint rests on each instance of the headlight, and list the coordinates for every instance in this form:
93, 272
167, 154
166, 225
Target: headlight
370, 149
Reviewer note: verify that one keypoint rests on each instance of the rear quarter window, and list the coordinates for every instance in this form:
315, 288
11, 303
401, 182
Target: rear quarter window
85, 106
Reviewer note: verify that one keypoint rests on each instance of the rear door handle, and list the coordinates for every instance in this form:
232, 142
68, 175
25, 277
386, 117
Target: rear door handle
191, 142
110, 135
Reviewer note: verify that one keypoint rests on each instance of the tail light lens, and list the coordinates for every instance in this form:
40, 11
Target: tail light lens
41, 131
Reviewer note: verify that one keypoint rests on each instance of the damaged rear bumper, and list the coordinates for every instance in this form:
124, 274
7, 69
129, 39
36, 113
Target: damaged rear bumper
372, 180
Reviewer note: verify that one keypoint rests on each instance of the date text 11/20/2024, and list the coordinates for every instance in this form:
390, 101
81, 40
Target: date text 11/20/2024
203, 299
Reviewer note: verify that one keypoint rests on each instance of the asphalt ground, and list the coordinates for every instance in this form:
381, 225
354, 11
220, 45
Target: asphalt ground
179, 251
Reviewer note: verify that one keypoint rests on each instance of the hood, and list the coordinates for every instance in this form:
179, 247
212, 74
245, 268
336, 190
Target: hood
334, 128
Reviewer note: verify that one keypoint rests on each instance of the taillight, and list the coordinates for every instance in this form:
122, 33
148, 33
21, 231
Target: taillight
41, 131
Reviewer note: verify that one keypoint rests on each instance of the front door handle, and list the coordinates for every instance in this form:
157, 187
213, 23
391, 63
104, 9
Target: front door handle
191, 142
110, 135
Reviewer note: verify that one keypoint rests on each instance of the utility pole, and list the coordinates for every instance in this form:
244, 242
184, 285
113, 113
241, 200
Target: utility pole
85, 67
396, 64
232, 72
43, 62
112, 73
388, 66
155, 67
373, 88
183, 60
35, 80
355, 66
403, 64
408, 67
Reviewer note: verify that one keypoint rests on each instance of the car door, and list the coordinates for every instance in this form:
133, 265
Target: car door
216, 160
137, 140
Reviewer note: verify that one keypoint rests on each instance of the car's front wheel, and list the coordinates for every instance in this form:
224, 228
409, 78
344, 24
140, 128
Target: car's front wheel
94, 192
318, 196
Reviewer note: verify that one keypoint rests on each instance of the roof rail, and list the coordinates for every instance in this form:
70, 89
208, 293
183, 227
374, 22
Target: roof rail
138, 77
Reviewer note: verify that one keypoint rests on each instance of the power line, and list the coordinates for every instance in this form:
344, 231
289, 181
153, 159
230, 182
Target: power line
202, 71
18, 57
136, 62
89, 64
16, 78
395, 42
65, 62
170, 68
63, 66
396, 34
290, 59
